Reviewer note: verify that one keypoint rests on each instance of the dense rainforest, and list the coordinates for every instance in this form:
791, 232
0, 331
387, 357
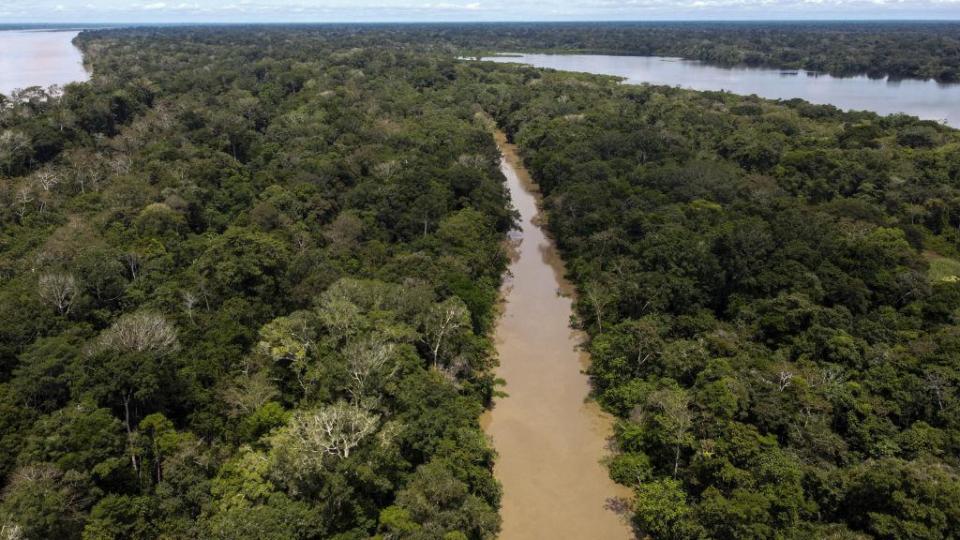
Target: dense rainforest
247, 278
773, 303
901, 50
245, 287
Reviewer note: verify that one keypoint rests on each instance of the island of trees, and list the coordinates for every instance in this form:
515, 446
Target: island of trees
248, 276
900, 50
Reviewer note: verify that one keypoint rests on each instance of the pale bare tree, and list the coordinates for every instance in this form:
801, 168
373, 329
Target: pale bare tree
442, 321
249, 393
14, 145
47, 179
11, 531
334, 430
474, 161
784, 379
119, 164
938, 385
141, 332
387, 169
598, 296
190, 301
674, 417
368, 362
133, 260
59, 289
23, 201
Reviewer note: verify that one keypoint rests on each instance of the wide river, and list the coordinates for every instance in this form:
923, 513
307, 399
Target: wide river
925, 99
39, 58
549, 437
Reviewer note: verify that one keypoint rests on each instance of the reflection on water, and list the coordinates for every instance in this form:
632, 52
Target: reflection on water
549, 438
926, 99
38, 58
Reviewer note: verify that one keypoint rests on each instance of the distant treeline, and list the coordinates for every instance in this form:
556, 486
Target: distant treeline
896, 49
901, 50
247, 278
771, 292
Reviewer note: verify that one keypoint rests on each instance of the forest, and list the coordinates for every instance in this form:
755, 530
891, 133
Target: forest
248, 277
246, 287
898, 49
769, 310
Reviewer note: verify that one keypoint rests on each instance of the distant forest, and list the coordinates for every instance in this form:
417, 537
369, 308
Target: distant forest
901, 50
248, 277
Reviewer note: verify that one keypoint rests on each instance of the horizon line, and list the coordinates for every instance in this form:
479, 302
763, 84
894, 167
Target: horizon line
475, 22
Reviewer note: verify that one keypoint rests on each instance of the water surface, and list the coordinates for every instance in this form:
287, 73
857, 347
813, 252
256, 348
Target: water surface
549, 437
925, 99
39, 58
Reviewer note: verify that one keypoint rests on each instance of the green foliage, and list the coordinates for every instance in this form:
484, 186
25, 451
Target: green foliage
260, 270
260, 267
760, 310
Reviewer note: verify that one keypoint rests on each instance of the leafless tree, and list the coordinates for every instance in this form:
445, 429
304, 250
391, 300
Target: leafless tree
59, 290
11, 531
333, 430
675, 417
142, 332
14, 145
784, 378
387, 169
473, 161
46, 179
249, 393
599, 297
368, 361
119, 165
133, 261
190, 301
23, 199
443, 320
938, 385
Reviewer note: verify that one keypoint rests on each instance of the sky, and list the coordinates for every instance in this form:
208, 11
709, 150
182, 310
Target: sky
240, 11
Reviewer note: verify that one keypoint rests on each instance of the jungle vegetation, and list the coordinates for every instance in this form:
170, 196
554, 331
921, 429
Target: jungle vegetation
245, 288
898, 49
772, 303
247, 278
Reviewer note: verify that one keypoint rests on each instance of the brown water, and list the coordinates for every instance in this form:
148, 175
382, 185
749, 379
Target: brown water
548, 437
39, 58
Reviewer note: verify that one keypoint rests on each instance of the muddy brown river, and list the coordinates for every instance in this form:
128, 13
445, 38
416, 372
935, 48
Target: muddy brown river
549, 438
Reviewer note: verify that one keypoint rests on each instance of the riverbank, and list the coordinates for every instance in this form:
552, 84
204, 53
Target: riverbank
550, 438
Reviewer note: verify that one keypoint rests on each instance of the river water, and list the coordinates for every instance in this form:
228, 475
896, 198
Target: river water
549, 437
39, 58
925, 99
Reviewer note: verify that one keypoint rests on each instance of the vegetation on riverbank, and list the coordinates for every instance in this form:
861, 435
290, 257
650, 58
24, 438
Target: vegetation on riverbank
248, 275
753, 279
246, 287
900, 50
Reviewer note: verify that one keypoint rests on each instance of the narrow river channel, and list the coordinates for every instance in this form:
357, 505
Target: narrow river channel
549, 437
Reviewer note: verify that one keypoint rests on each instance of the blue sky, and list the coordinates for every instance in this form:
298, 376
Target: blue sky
146, 11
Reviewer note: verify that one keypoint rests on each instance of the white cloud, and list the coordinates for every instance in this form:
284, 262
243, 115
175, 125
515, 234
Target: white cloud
474, 10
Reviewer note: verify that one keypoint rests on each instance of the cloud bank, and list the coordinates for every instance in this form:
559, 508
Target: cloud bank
153, 11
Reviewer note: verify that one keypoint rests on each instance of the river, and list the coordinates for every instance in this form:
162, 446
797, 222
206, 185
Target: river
39, 58
549, 437
925, 99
